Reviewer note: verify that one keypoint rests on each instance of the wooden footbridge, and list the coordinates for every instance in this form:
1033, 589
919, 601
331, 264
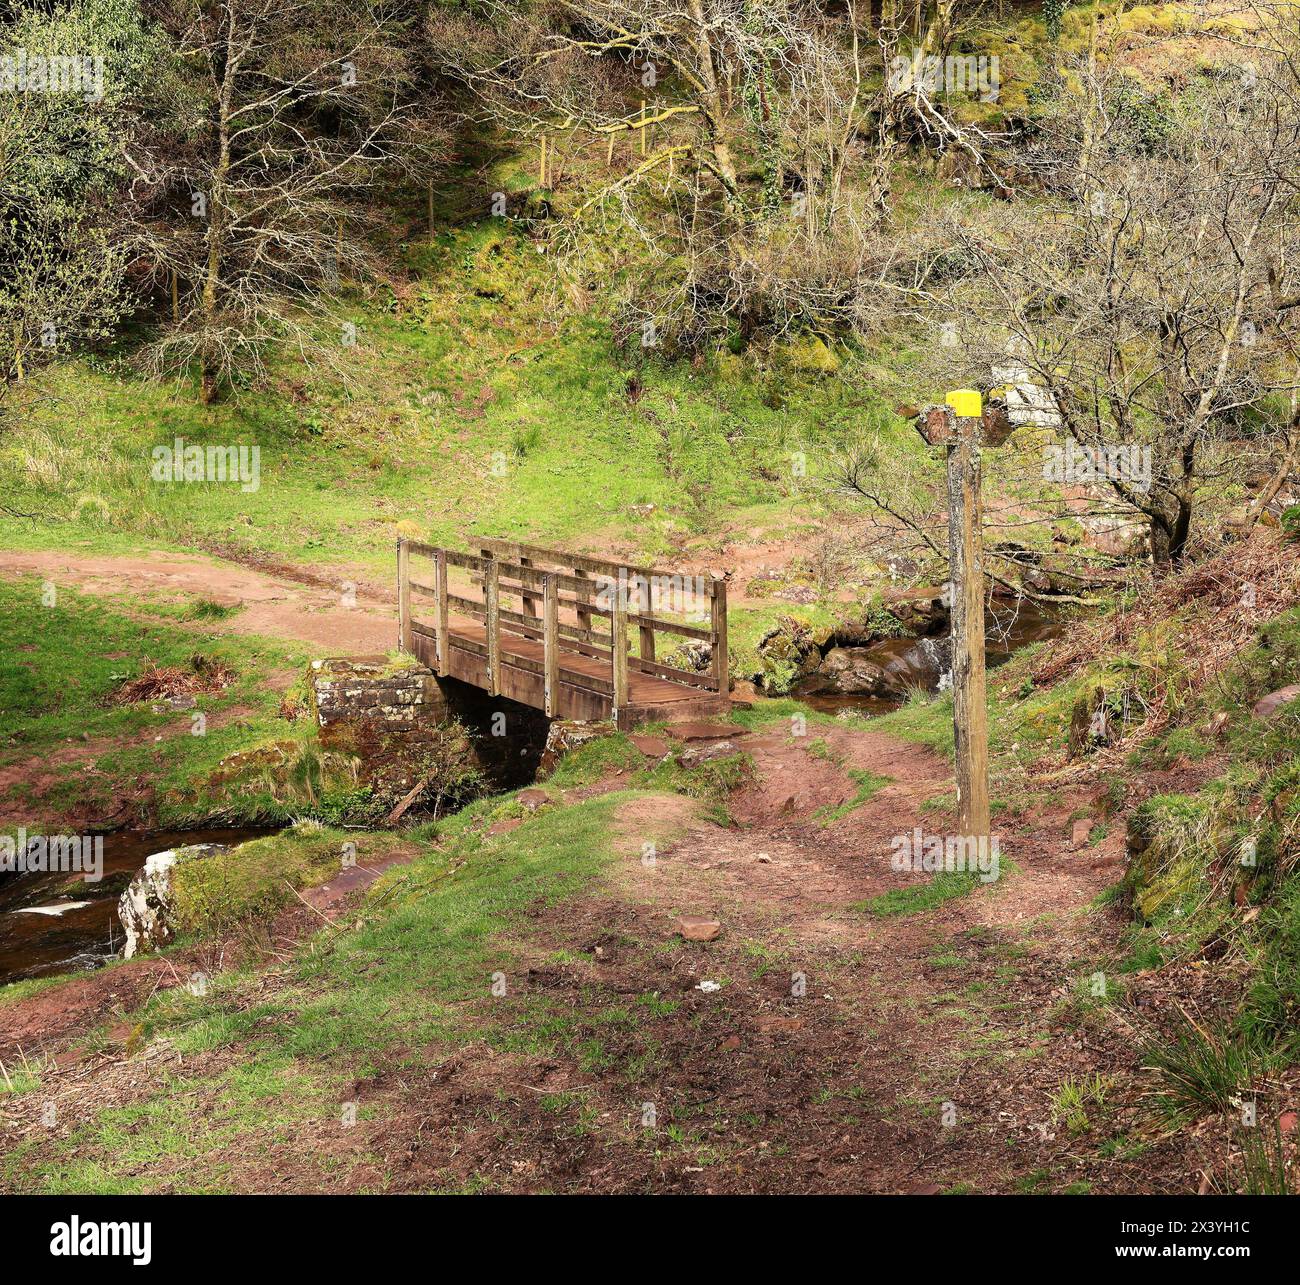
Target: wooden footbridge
580, 637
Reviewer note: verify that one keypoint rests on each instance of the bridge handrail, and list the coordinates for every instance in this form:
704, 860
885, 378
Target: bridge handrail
552, 588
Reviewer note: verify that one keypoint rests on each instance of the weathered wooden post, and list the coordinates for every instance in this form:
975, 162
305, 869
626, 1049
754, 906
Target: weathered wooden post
492, 605
404, 639
550, 645
718, 630
618, 652
440, 620
966, 572
958, 426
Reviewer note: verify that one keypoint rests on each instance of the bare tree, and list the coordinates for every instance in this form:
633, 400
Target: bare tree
753, 123
1150, 292
290, 110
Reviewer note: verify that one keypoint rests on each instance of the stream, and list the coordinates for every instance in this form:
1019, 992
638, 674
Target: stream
1009, 624
58, 923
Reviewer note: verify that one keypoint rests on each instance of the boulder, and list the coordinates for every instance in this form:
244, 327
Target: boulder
694, 655
1274, 701
850, 671
1116, 537
147, 908
920, 611
564, 735
788, 652
694, 755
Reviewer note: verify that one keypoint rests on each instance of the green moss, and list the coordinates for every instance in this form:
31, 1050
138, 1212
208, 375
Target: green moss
1168, 840
255, 880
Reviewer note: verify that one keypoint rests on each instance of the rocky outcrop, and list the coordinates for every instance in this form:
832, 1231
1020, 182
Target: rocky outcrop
850, 671
565, 735
788, 653
147, 908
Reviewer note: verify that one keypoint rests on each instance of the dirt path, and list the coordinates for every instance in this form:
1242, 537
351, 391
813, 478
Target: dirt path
337, 617
840, 1051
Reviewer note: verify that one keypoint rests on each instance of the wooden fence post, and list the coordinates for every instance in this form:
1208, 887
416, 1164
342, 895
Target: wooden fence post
440, 620
491, 598
584, 617
966, 576
550, 645
718, 628
645, 607
404, 596
529, 605
618, 645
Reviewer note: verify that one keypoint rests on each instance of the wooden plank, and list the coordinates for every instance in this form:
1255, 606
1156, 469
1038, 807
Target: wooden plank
467, 606
719, 643
601, 566
647, 642
493, 631
588, 605
440, 582
551, 646
403, 596
581, 586
643, 666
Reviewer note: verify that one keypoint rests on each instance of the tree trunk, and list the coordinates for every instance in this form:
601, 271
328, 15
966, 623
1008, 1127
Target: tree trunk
1170, 530
714, 114
216, 221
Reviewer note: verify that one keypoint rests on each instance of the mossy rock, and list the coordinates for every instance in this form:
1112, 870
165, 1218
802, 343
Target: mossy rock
1170, 852
729, 368
809, 355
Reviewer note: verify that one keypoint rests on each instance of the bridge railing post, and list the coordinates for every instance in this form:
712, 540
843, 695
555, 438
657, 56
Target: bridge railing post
492, 602
618, 649
441, 631
404, 638
718, 628
550, 645
645, 602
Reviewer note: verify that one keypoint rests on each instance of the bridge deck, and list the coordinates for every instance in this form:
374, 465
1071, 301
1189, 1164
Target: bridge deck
557, 659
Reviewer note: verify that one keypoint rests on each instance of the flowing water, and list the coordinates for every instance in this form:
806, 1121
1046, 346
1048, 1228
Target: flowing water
58, 923
919, 662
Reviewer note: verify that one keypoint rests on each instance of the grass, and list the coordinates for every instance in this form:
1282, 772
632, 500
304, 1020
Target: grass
1200, 1071
1074, 1097
418, 972
868, 784
250, 883
470, 405
917, 898
60, 665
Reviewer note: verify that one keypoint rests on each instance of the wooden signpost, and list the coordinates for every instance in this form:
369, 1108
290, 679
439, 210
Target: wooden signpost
958, 426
